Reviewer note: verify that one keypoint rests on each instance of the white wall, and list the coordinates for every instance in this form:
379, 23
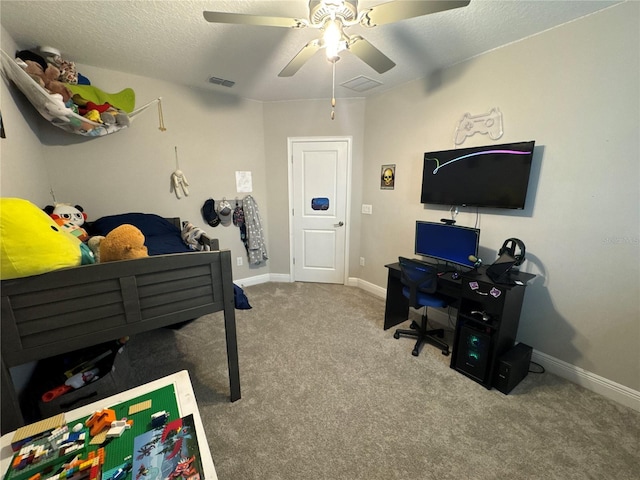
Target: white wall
575, 91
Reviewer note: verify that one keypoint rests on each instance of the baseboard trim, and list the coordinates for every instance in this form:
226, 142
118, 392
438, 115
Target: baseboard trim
600, 385
265, 278
603, 386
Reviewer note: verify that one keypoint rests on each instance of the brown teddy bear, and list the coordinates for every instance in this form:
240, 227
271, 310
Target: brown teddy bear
125, 242
48, 79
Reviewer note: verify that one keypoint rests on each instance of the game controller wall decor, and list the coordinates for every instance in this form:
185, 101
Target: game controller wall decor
489, 123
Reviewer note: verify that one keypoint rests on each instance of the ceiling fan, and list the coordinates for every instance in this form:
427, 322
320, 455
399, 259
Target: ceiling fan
332, 17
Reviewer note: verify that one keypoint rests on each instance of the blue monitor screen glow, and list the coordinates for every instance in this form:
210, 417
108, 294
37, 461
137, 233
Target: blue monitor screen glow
449, 243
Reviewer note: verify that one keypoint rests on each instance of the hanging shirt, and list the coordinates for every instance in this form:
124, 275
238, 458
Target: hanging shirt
256, 247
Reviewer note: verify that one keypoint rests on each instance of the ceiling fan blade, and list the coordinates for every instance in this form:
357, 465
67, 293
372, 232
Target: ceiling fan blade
300, 59
395, 11
370, 54
244, 19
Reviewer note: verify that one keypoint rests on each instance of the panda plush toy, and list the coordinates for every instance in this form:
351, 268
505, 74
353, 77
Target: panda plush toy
70, 218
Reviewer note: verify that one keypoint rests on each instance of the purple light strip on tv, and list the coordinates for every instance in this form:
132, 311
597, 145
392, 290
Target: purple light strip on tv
509, 152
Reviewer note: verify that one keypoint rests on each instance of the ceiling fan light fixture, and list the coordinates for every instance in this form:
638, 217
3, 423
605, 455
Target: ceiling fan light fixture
333, 39
320, 10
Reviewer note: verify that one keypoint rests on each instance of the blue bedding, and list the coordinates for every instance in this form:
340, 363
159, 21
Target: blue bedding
161, 236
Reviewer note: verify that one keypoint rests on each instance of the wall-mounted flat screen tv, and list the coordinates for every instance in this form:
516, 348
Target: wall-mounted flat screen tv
494, 176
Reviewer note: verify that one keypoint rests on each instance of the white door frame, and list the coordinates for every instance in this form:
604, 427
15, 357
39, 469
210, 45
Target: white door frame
290, 142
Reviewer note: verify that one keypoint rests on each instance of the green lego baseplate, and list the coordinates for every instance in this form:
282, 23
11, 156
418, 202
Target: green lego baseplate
118, 450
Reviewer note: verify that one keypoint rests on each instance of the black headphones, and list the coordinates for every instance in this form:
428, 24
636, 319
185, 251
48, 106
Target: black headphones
509, 246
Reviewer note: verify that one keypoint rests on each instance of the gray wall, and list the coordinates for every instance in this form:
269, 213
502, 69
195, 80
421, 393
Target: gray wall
573, 89
130, 171
284, 120
23, 171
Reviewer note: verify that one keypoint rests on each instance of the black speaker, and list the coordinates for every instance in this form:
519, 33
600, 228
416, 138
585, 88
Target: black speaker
472, 352
512, 367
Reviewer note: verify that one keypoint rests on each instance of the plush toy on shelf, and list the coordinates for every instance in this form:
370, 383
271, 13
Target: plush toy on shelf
125, 242
70, 218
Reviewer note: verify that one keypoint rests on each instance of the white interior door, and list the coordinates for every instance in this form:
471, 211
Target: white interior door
319, 173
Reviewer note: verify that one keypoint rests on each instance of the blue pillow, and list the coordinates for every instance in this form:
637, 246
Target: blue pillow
161, 236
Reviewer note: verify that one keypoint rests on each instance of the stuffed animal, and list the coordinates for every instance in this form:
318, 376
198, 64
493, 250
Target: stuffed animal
69, 218
48, 79
179, 184
94, 245
68, 71
104, 113
125, 242
31, 243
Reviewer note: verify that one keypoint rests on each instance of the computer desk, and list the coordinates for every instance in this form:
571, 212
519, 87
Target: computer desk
472, 291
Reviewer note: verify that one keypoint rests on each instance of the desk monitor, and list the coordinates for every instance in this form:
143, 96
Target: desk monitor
449, 243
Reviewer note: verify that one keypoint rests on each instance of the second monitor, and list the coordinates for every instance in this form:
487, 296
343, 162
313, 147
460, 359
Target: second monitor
448, 243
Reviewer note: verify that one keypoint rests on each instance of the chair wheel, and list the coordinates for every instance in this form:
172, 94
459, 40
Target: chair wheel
413, 326
445, 353
415, 352
396, 335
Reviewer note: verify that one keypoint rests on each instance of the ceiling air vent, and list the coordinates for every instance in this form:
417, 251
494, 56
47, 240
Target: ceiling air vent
221, 81
361, 84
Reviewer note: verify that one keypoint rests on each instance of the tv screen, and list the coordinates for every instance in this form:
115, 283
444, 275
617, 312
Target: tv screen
495, 176
449, 243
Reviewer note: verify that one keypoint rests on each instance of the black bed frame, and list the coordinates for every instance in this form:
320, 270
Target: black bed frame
72, 308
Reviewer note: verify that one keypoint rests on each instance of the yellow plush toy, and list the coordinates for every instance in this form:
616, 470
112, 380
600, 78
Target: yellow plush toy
32, 243
125, 242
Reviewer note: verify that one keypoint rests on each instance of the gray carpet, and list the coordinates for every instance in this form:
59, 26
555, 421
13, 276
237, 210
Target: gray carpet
328, 394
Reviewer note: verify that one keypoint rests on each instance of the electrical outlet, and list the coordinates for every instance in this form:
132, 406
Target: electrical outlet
362, 261
239, 261
367, 209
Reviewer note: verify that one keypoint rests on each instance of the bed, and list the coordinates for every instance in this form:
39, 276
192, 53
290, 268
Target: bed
72, 308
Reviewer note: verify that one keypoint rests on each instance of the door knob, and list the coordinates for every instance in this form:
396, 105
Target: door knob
339, 224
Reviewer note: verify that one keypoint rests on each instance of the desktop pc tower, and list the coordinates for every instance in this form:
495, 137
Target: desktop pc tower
472, 353
512, 367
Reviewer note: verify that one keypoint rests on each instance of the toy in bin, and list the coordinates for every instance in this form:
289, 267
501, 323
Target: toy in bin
76, 381
80, 375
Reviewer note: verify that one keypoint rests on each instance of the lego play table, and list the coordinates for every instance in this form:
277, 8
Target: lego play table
168, 393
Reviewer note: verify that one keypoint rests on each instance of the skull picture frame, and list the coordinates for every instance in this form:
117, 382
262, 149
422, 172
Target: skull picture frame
387, 177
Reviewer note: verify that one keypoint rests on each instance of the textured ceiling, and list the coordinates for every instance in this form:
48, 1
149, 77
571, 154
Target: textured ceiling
171, 40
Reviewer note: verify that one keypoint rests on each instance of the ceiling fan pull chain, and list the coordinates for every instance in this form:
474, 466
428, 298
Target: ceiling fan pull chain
160, 117
333, 92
